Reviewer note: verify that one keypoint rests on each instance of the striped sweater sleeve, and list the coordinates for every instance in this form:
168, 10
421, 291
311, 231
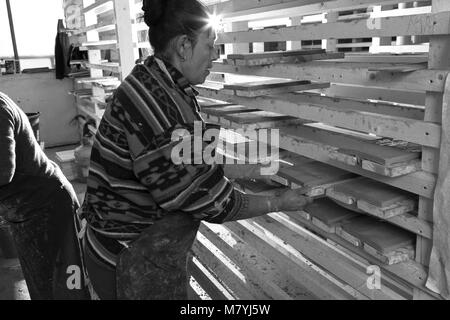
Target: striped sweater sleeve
150, 116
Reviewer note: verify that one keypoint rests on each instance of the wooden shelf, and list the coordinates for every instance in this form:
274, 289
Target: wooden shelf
110, 66
99, 7
425, 133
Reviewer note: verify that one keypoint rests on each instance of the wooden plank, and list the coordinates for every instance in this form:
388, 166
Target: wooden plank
386, 152
99, 6
391, 95
205, 280
269, 87
373, 192
428, 209
273, 54
421, 80
379, 235
413, 25
312, 176
261, 271
228, 274
293, 266
238, 10
399, 68
419, 182
226, 110
111, 66
128, 53
327, 215
317, 251
277, 60
393, 257
99, 45
419, 132
410, 272
386, 58
395, 170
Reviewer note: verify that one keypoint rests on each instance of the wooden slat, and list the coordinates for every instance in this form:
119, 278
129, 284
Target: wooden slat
318, 251
99, 6
293, 59
262, 272
270, 87
111, 66
312, 176
293, 266
415, 98
411, 272
99, 45
419, 182
419, 132
238, 10
386, 58
205, 280
413, 25
273, 54
399, 68
421, 80
218, 265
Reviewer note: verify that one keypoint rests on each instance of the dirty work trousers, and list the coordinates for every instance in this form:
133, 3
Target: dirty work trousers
153, 267
49, 249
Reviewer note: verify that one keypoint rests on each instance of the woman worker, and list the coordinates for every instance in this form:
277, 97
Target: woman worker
143, 211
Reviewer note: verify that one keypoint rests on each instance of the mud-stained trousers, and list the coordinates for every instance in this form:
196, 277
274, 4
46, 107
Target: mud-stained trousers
49, 249
153, 267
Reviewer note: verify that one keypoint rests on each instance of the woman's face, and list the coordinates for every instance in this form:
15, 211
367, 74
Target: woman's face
200, 57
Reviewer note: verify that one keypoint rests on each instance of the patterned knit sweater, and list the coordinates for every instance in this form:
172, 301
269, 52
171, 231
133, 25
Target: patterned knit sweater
133, 182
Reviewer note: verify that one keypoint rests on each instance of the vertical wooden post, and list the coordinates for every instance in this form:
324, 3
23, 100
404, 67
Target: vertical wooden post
403, 40
330, 44
94, 56
438, 59
236, 47
231, 48
294, 45
258, 47
124, 36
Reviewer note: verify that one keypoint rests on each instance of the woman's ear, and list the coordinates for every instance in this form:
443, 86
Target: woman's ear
183, 47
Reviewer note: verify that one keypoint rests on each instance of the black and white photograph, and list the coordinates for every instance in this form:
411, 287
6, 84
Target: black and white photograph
228, 157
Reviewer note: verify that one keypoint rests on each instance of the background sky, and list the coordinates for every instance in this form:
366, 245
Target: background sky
35, 24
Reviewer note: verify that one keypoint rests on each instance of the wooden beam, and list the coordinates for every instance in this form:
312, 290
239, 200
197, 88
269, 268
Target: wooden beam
421, 80
293, 267
415, 98
238, 10
270, 87
414, 25
419, 182
410, 130
439, 48
318, 251
413, 273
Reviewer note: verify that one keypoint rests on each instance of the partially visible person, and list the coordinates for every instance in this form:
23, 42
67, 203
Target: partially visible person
143, 210
40, 205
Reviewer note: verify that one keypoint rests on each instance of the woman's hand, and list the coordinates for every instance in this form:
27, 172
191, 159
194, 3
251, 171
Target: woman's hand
290, 200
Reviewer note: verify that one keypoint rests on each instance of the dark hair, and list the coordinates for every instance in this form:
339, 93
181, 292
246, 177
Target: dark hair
168, 19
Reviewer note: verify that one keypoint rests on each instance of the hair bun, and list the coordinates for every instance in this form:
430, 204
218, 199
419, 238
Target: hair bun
153, 11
